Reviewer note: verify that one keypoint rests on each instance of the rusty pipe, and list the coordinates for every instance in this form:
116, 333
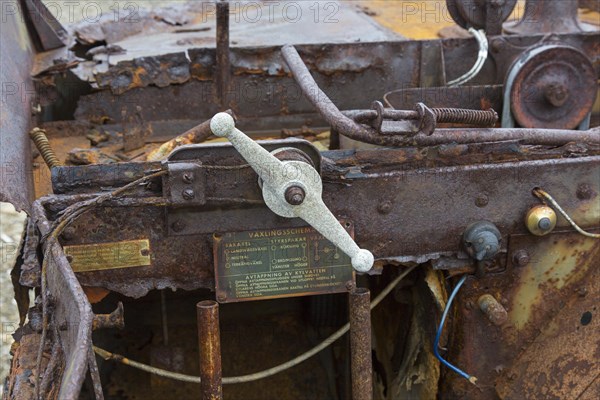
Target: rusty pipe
328, 110
223, 62
360, 344
209, 343
347, 127
197, 134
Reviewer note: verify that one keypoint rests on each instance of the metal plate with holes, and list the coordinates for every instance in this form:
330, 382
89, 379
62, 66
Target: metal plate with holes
101, 256
288, 262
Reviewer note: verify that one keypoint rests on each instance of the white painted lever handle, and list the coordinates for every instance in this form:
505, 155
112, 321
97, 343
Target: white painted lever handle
292, 189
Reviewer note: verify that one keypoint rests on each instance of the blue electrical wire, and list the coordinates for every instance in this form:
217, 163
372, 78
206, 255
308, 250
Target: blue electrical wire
436, 343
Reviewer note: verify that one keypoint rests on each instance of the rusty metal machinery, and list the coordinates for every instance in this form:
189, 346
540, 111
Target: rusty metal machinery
442, 243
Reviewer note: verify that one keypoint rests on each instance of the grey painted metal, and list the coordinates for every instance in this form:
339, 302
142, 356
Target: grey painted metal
277, 176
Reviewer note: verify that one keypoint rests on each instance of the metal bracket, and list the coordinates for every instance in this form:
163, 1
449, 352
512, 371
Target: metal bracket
185, 184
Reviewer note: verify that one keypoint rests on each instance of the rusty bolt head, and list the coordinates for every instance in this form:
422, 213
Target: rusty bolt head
188, 177
178, 226
495, 312
385, 207
521, 258
68, 233
221, 297
482, 200
350, 285
295, 195
188, 194
585, 192
557, 94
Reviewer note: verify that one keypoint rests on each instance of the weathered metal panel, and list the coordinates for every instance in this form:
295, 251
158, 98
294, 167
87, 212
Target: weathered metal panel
18, 101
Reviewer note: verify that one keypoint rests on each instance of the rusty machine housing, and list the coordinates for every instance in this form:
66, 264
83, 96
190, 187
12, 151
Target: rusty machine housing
137, 231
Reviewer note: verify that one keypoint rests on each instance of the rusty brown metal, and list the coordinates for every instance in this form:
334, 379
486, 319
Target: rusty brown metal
223, 65
547, 16
197, 134
209, 344
492, 309
41, 142
72, 312
115, 319
360, 344
552, 86
487, 15
18, 96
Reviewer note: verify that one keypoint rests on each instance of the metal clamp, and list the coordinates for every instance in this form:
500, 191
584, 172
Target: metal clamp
292, 189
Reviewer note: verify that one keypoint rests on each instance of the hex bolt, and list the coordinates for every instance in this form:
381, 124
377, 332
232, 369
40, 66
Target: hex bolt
521, 258
495, 312
295, 195
188, 177
188, 194
544, 223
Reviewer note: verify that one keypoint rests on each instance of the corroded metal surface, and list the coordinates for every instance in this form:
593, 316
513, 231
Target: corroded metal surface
72, 312
360, 344
18, 98
543, 349
209, 344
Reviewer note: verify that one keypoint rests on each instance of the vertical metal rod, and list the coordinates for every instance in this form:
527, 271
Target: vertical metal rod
163, 313
209, 343
223, 62
360, 344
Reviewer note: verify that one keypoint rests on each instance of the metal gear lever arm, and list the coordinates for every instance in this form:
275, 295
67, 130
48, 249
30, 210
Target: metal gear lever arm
292, 189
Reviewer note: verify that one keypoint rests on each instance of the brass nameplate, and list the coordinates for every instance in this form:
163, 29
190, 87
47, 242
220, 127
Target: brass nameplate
102, 256
266, 264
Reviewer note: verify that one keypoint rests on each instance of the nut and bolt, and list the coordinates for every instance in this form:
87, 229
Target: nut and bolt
295, 195
188, 194
521, 258
495, 312
545, 223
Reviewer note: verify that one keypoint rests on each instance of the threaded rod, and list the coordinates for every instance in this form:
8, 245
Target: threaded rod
43, 145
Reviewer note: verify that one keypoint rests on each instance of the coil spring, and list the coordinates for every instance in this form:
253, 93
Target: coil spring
41, 142
462, 116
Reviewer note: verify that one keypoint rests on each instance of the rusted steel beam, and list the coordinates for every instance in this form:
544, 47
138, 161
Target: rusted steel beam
223, 62
209, 343
360, 344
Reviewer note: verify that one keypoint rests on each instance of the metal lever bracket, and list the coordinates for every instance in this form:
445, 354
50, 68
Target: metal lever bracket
292, 189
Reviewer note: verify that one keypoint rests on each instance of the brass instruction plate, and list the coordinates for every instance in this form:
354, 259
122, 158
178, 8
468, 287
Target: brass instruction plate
266, 264
102, 256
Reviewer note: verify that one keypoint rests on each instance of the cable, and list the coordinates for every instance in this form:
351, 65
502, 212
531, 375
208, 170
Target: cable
543, 195
262, 374
482, 56
436, 343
